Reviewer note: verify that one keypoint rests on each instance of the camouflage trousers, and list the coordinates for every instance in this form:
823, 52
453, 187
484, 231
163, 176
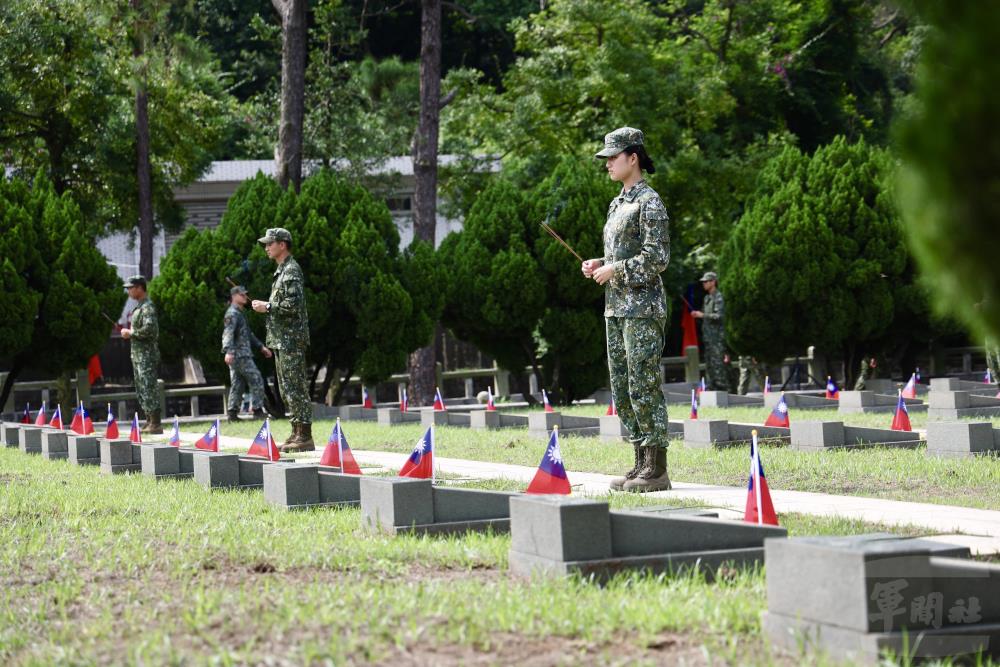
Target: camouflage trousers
716, 373
147, 389
635, 345
291, 367
993, 360
244, 376
750, 369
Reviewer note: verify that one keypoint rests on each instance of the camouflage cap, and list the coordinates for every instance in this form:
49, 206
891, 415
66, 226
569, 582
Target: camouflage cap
237, 289
275, 234
709, 275
617, 141
136, 281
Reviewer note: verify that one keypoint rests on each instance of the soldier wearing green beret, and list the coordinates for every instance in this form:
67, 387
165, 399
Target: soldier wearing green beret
288, 336
143, 333
238, 344
636, 252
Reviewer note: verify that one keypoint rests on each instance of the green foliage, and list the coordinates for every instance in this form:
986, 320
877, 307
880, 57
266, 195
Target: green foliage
516, 293
951, 151
55, 282
364, 313
818, 258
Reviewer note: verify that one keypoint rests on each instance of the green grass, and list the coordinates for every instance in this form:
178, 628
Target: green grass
898, 474
126, 570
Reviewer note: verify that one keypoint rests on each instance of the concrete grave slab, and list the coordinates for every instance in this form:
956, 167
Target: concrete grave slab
723, 399
30, 438
430, 416
391, 416
11, 435
866, 402
217, 470
303, 485
54, 445
820, 435
83, 449
800, 400
399, 505
358, 413
165, 461
496, 419
119, 456
703, 433
960, 439
952, 405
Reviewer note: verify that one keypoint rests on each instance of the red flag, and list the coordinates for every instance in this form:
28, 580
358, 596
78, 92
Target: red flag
694, 406
901, 418
82, 422
366, 399
759, 508
490, 405
76, 424
135, 435
612, 410
26, 417
910, 390
263, 445
210, 441
338, 453
438, 401
94, 370
689, 328
420, 465
56, 418
404, 401
111, 431
40, 417
779, 416
551, 475
832, 390
545, 402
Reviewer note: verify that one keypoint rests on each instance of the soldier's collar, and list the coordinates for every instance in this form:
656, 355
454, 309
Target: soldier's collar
633, 191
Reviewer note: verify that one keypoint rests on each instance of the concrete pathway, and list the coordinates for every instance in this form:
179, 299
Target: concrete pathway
981, 528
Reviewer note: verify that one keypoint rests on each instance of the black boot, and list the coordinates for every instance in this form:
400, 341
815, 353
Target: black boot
232, 416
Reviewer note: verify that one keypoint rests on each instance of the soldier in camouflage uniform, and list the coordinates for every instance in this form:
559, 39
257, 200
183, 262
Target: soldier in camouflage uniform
143, 333
993, 360
238, 343
867, 371
636, 251
750, 369
713, 330
288, 336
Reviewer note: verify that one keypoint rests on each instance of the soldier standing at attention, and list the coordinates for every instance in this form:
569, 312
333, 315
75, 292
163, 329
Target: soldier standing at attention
713, 330
288, 336
238, 343
636, 251
143, 333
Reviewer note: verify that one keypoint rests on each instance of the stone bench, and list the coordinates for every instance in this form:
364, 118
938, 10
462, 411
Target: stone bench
856, 597
865, 402
392, 416
950, 405
723, 399
223, 470
704, 433
304, 485
819, 435
120, 456
83, 449
958, 439
430, 416
398, 505
540, 424
557, 535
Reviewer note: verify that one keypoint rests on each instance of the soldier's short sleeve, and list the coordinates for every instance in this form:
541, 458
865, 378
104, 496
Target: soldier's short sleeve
654, 252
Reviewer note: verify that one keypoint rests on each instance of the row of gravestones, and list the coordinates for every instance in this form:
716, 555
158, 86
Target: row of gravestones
850, 597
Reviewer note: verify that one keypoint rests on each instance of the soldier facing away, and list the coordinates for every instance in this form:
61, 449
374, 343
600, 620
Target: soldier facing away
288, 336
713, 331
636, 251
238, 343
143, 333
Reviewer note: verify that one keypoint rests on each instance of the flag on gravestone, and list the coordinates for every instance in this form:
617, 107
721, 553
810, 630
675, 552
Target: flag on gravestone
832, 390
901, 418
490, 405
210, 441
40, 417
910, 390
694, 406
404, 401
56, 421
366, 399
988, 378
76, 424
690, 329
26, 417
438, 401
767, 385
701, 386
94, 370
551, 475
264, 445
111, 430
545, 402
135, 435
82, 423
779, 416
612, 410
759, 508
175, 437
338, 453
420, 465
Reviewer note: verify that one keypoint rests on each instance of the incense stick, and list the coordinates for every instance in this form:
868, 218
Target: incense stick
553, 234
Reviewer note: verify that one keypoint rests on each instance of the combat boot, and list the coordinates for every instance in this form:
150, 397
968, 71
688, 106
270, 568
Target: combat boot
259, 413
153, 425
653, 476
303, 439
232, 416
618, 483
292, 440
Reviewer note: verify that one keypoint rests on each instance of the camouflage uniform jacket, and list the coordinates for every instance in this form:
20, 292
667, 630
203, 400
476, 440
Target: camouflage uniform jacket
637, 244
145, 329
713, 326
237, 338
287, 321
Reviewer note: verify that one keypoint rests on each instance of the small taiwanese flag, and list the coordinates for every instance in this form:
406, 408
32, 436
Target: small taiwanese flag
366, 399
551, 476
701, 386
988, 378
76, 424
82, 423
210, 441
26, 417
759, 508
135, 435
910, 390
56, 418
901, 420
338, 453
832, 390
490, 405
404, 401
694, 406
420, 465
612, 410
111, 430
175, 437
767, 384
40, 417
779, 416
263, 445
545, 402
438, 401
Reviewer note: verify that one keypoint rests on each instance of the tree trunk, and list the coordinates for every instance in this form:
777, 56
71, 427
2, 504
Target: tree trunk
143, 170
425, 158
294, 38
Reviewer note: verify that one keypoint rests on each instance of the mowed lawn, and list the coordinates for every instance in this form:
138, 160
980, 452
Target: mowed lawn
128, 570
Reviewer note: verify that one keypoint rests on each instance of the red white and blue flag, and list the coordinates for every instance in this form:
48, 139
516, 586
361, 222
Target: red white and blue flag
404, 401
56, 421
910, 390
767, 385
551, 475
832, 390
366, 399
759, 508
135, 435
490, 405
779, 416
338, 453
175, 436
82, 423
420, 465
263, 444
612, 409
26, 417
694, 406
988, 378
111, 430
901, 418
210, 441
545, 402
438, 401
40, 417
701, 386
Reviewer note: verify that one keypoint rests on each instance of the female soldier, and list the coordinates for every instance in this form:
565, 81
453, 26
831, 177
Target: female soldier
636, 251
